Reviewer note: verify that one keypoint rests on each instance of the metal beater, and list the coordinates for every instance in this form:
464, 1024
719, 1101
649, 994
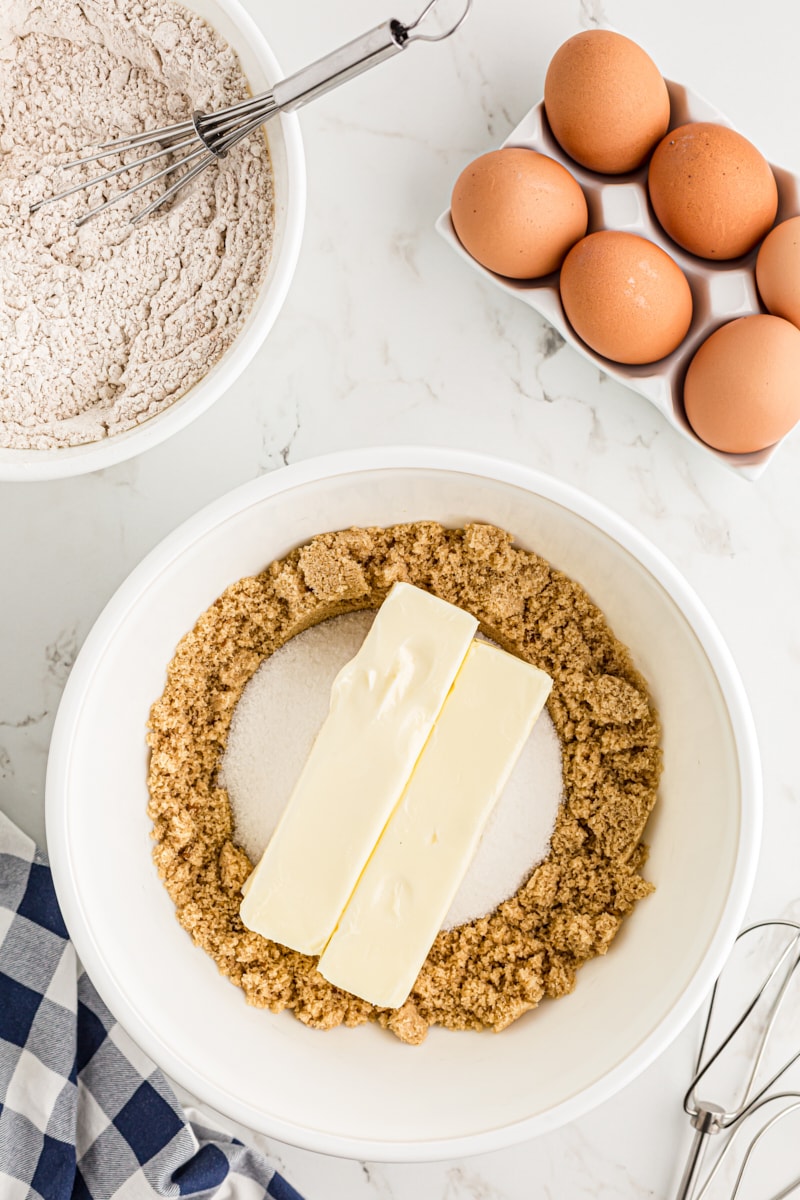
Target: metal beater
209, 136
757, 1095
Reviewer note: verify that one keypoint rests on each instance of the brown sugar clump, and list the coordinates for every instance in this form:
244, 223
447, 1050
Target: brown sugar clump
478, 976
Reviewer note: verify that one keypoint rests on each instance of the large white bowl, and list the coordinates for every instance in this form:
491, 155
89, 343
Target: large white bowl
360, 1092
289, 173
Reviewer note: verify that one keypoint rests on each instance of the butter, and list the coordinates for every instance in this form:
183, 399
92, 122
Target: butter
409, 883
384, 703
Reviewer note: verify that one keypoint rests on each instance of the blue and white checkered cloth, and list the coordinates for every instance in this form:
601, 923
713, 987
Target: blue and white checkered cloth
84, 1115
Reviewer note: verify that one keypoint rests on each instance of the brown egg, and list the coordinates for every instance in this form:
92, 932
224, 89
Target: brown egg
625, 297
711, 190
742, 389
778, 270
606, 101
518, 212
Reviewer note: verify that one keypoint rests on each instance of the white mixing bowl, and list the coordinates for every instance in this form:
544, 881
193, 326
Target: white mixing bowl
360, 1092
289, 173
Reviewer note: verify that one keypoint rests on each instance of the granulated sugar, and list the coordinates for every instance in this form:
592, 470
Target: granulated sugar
103, 326
274, 726
276, 721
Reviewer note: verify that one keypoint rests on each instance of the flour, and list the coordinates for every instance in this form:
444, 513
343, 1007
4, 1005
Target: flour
103, 326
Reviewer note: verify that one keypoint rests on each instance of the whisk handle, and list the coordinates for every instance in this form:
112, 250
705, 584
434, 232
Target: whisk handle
349, 60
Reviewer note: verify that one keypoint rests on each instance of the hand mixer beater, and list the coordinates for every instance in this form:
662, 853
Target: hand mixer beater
756, 1102
205, 137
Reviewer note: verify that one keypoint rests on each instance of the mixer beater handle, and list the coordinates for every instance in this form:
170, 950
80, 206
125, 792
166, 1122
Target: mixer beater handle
706, 1121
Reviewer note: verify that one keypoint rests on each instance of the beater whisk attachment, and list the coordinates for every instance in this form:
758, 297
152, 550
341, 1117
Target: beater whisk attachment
756, 1095
205, 137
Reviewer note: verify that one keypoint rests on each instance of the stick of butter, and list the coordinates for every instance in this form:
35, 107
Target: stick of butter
383, 706
409, 883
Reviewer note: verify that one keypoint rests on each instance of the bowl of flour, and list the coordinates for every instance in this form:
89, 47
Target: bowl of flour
114, 336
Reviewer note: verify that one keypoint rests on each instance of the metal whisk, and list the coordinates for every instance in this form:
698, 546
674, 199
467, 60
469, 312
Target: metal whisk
209, 136
757, 1095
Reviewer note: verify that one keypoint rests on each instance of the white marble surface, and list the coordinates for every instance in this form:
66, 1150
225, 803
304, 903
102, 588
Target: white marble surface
388, 338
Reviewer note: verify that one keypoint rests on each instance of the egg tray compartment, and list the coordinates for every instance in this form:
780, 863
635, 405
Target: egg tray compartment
721, 291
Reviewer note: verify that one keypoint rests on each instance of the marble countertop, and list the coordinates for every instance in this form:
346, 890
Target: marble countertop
387, 337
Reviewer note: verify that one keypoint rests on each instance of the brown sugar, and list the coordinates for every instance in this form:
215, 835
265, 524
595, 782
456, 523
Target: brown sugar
482, 975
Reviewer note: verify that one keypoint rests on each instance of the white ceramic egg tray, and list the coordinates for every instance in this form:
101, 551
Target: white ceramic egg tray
721, 291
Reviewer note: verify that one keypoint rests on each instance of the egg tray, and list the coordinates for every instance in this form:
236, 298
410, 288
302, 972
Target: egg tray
721, 291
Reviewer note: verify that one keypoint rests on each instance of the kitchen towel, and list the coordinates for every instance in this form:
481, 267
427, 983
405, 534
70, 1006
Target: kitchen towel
84, 1115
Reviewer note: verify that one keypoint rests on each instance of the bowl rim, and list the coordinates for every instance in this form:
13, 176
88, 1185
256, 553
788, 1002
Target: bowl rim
67, 461
445, 460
